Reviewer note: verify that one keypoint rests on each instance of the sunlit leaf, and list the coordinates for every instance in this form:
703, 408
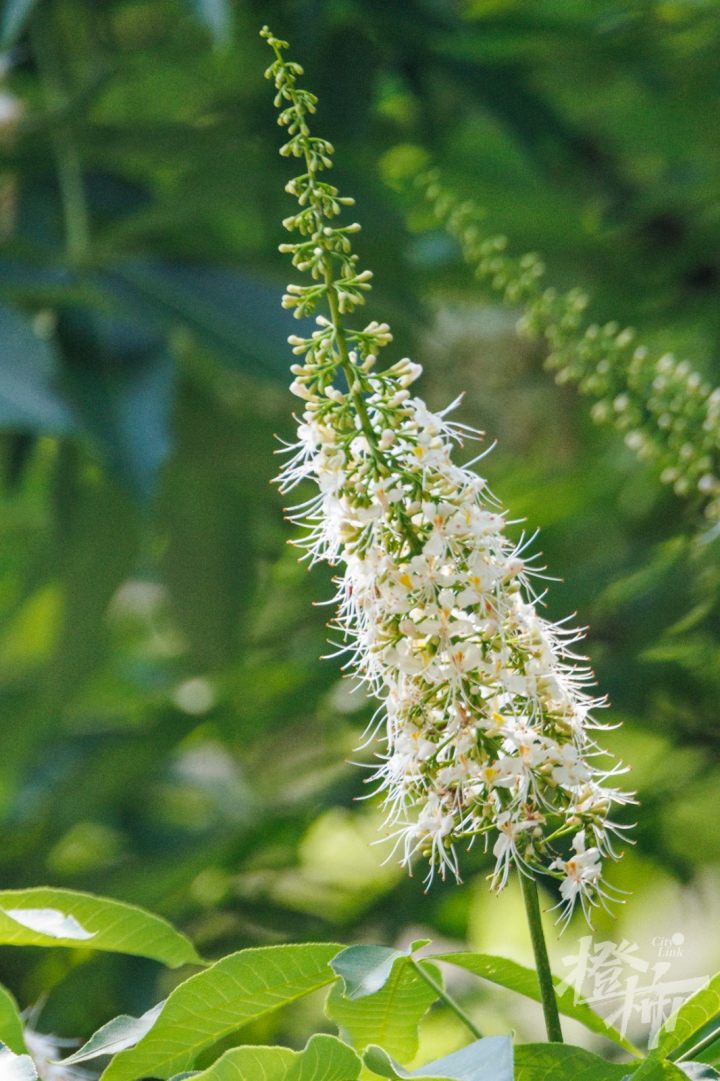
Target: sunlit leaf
562, 1062
389, 1016
695, 1012
114, 926
516, 977
220, 1000
365, 969
11, 1026
48, 922
325, 1058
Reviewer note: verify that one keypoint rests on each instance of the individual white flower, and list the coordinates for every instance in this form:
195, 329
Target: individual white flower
582, 874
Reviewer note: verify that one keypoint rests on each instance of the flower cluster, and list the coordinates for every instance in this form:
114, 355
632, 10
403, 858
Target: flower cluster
485, 712
667, 412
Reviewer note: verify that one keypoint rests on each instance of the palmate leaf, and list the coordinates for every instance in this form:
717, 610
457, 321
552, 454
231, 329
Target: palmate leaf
388, 1016
11, 1026
518, 978
214, 1003
325, 1058
16, 1067
91, 922
489, 1059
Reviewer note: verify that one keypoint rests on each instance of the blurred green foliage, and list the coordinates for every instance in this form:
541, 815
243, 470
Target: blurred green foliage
169, 735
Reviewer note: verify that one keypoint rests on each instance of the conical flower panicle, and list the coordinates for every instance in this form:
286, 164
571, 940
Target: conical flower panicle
485, 714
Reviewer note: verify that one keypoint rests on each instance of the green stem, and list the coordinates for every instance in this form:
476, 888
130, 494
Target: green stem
68, 163
542, 963
446, 998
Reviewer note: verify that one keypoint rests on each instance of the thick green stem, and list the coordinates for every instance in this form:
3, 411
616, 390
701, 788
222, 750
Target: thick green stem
542, 962
446, 998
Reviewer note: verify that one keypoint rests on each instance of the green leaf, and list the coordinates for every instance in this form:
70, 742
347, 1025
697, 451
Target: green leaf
695, 1012
656, 1069
489, 1059
14, 16
11, 1026
48, 922
120, 380
227, 312
563, 1062
117, 1035
30, 399
365, 969
220, 1000
389, 1016
518, 978
16, 1067
114, 926
325, 1058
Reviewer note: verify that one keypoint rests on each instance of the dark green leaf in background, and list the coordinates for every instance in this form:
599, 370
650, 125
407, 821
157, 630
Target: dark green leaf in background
30, 392
14, 16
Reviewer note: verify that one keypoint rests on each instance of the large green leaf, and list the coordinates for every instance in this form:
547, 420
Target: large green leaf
85, 921
11, 1026
16, 1067
489, 1059
325, 1058
518, 978
562, 1062
220, 1000
390, 1016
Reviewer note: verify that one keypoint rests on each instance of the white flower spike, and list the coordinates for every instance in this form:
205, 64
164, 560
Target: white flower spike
486, 716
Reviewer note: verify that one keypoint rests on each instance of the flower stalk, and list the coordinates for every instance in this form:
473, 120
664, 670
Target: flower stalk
484, 715
542, 962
